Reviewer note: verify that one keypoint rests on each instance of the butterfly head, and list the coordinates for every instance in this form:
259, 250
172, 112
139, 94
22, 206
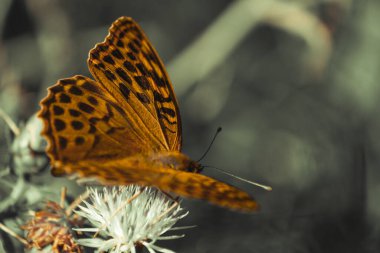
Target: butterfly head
182, 162
194, 167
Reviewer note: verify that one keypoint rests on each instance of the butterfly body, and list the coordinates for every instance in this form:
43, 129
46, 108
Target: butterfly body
174, 160
124, 127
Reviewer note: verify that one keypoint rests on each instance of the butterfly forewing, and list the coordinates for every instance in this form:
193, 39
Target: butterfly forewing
81, 122
128, 67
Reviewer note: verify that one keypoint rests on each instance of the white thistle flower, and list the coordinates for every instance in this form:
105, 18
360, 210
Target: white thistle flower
122, 223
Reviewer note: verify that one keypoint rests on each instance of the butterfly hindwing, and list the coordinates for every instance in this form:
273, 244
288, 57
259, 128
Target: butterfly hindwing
130, 69
186, 184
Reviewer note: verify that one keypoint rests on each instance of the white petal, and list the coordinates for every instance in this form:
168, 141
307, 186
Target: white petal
91, 242
170, 237
183, 227
159, 249
94, 230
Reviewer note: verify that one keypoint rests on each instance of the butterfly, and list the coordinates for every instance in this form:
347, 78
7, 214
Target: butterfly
124, 127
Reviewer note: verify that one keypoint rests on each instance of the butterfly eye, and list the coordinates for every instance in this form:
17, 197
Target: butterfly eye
194, 167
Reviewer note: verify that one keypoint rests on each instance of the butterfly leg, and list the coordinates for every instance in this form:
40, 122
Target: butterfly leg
76, 202
170, 196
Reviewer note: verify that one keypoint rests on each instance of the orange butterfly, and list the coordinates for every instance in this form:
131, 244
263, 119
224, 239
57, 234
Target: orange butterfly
125, 127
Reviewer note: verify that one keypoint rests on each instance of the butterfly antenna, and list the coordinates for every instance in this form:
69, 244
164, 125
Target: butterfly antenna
265, 187
209, 146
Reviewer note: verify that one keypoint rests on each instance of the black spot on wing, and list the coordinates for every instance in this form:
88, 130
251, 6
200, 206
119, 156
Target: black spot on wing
77, 125
159, 98
64, 98
62, 141
121, 35
131, 56
133, 47
92, 100
85, 107
79, 140
164, 117
109, 110
56, 88
74, 113
58, 110
129, 66
75, 91
90, 87
168, 111
95, 55
100, 65
150, 57
59, 124
124, 90
137, 42
93, 120
110, 76
142, 69
119, 43
109, 60
142, 82
116, 53
157, 80
68, 81
123, 75
143, 98
102, 47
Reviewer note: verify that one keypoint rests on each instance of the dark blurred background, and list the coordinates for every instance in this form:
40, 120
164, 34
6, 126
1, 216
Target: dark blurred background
294, 84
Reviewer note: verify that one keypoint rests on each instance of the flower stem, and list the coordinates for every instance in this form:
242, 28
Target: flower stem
12, 233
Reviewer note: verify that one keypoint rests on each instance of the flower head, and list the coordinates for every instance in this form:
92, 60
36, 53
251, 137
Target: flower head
125, 218
51, 227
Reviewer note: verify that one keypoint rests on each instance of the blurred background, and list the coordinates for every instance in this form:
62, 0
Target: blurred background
294, 84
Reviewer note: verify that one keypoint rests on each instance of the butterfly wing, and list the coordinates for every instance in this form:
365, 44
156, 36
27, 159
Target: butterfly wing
81, 122
129, 68
183, 183
130, 109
